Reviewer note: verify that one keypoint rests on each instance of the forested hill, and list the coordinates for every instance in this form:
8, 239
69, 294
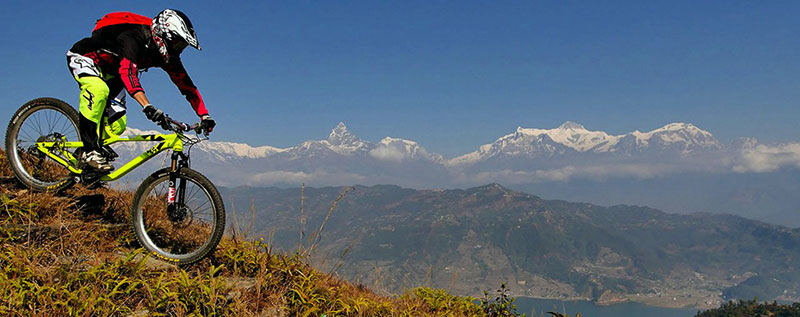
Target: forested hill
468, 240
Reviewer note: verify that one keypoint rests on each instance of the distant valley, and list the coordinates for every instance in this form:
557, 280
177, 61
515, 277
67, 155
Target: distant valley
469, 240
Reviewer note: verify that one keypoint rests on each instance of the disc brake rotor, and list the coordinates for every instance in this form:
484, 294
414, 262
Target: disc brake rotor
181, 216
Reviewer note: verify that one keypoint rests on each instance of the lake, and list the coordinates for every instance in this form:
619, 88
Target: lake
588, 309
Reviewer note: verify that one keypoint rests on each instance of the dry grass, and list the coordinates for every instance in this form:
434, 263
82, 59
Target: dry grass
73, 253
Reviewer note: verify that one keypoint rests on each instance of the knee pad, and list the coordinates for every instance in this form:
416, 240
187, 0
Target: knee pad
117, 127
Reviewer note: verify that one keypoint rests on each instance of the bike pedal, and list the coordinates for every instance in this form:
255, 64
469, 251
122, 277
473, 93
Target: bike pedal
109, 153
91, 178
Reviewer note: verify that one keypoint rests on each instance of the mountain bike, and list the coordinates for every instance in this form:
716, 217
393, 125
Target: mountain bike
177, 214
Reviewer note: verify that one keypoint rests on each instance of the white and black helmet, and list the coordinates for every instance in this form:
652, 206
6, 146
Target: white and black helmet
172, 32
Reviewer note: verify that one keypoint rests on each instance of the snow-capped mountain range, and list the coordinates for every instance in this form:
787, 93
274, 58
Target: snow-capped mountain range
680, 138
524, 142
527, 154
339, 142
341, 154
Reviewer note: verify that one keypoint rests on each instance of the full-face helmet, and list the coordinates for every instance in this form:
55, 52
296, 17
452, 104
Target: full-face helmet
172, 32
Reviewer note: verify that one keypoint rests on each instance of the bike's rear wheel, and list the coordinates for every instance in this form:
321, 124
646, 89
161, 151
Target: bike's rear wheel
184, 238
39, 120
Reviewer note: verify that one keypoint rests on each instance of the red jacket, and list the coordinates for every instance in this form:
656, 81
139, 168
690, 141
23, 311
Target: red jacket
124, 49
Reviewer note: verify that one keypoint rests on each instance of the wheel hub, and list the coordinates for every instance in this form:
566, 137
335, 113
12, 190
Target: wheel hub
178, 213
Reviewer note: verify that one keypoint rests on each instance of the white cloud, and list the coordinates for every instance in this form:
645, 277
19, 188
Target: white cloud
318, 177
570, 172
764, 158
388, 153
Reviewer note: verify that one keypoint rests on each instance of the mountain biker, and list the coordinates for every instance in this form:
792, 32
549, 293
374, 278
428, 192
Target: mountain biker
121, 45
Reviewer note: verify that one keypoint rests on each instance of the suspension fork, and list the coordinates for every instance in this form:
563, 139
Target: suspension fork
176, 192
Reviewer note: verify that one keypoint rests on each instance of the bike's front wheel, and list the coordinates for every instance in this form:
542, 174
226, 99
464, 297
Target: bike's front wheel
190, 228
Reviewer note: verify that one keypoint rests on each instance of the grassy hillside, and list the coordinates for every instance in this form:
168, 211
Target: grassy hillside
74, 254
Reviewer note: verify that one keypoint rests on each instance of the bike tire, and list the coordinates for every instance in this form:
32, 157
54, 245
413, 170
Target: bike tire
150, 235
47, 175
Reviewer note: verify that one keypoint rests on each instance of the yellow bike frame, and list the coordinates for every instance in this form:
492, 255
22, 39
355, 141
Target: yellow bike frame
167, 141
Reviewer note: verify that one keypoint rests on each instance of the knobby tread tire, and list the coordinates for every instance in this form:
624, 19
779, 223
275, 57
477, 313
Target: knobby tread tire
219, 214
13, 129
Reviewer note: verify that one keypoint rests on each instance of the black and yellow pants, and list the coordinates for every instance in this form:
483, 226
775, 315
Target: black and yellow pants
100, 114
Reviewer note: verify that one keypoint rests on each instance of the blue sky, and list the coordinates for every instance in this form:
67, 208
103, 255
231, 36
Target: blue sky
451, 75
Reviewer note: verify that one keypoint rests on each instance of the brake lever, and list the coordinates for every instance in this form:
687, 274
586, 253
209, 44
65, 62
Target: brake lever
197, 128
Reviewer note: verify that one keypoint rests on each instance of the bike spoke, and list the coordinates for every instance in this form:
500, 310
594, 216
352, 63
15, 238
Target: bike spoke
191, 194
205, 203
57, 121
49, 126
31, 125
30, 138
39, 124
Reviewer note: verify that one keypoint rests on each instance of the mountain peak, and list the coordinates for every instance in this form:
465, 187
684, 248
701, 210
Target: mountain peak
341, 137
390, 140
682, 127
341, 128
679, 126
340, 134
569, 125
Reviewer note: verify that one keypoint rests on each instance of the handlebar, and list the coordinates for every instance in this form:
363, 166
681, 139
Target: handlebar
178, 126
